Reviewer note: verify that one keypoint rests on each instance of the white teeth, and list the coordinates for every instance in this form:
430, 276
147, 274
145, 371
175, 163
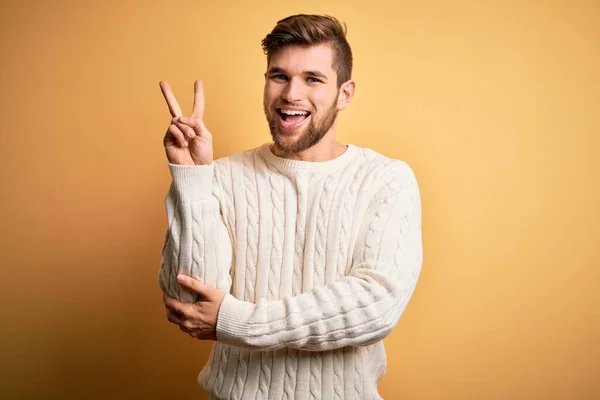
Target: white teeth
294, 112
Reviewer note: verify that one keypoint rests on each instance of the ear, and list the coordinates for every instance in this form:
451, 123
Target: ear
345, 94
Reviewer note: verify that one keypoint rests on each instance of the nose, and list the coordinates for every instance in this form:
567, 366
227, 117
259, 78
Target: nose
293, 91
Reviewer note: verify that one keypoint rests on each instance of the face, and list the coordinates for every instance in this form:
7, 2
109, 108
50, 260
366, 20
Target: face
301, 97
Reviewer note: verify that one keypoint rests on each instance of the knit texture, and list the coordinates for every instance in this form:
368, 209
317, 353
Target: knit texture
318, 260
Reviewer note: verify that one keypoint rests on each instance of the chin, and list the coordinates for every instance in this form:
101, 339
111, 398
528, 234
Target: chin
303, 138
287, 142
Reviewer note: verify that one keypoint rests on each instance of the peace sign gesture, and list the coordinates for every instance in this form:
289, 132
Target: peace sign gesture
187, 141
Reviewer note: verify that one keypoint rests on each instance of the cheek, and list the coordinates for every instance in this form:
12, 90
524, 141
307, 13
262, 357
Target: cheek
324, 101
270, 94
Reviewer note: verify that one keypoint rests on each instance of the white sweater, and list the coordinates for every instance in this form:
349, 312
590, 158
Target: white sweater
318, 260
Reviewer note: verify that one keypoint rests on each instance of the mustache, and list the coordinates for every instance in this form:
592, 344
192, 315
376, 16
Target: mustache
293, 105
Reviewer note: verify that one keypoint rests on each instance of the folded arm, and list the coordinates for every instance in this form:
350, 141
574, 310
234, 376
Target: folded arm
359, 309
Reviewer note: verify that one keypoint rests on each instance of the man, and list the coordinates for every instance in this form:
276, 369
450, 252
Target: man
297, 257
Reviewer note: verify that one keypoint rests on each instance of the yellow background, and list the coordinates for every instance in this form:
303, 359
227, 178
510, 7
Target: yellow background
495, 104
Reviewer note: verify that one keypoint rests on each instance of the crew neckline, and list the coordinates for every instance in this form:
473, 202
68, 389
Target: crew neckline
316, 166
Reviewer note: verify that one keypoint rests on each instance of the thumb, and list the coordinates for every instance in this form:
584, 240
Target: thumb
192, 284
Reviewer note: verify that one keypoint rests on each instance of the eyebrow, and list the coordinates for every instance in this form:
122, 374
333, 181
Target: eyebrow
277, 70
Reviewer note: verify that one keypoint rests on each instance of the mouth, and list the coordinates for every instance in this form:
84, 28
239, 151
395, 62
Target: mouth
290, 120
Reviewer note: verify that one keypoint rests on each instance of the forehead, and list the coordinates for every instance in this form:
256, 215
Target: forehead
297, 58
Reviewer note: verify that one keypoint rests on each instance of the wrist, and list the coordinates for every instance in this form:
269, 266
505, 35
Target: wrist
192, 182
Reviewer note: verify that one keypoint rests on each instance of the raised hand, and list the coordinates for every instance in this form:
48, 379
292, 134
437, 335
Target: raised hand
187, 141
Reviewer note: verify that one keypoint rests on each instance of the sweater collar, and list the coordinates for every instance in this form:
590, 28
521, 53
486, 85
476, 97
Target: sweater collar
316, 166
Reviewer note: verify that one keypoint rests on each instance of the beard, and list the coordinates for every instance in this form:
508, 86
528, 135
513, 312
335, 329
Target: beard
310, 135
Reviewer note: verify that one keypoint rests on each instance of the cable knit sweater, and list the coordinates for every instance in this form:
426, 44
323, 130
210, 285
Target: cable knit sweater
318, 260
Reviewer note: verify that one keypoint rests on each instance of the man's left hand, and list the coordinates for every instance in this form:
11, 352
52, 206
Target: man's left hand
197, 319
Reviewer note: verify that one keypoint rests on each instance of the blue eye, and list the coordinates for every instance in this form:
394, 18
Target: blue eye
313, 80
279, 77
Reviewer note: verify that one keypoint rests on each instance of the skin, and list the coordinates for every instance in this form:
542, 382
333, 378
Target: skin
298, 77
199, 319
303, 77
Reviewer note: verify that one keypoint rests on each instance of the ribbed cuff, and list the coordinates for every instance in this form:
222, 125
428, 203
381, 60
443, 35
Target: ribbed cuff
192, 182
233, 325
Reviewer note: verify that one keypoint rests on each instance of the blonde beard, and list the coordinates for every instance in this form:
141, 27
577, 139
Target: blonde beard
310, 136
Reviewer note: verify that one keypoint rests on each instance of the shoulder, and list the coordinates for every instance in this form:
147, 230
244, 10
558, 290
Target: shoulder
393, 184
224, 166
237, 157
389, 181
384, 171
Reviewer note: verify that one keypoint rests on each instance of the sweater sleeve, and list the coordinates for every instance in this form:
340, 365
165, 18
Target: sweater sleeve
357, 310
197, 242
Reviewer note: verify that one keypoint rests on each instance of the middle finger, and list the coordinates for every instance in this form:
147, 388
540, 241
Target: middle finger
175, 318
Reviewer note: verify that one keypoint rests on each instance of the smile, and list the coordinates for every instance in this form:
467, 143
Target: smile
290, 119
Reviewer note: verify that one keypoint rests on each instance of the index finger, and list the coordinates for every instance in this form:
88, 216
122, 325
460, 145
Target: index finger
174, 305
171, 100
198, 110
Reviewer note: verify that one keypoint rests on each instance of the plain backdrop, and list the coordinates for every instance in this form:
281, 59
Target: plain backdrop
495, 105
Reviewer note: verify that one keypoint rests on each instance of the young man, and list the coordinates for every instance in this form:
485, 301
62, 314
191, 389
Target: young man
297, 257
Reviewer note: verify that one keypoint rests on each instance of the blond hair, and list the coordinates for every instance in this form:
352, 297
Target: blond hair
309, 30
